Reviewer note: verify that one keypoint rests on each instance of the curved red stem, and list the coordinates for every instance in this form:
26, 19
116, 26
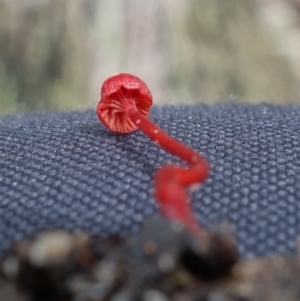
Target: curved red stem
171, 182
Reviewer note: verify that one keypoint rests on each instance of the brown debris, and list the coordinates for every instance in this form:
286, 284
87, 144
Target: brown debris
163, 262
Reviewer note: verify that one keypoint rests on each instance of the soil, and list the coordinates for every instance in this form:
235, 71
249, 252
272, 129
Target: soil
163, 262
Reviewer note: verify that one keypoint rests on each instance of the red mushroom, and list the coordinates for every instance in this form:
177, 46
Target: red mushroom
123, 108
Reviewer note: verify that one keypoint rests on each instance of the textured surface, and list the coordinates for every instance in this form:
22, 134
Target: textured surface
67, 170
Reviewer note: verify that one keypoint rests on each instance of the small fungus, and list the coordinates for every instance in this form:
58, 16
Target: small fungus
123, 108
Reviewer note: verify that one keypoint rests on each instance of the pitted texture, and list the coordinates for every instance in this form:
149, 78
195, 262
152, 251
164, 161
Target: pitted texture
65, 170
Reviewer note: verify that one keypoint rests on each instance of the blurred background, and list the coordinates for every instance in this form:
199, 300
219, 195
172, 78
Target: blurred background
55, 54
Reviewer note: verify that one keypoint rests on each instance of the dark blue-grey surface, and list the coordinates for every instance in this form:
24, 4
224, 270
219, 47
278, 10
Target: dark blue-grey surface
67, 170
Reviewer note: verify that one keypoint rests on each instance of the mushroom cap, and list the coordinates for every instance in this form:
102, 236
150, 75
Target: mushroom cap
116, 93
